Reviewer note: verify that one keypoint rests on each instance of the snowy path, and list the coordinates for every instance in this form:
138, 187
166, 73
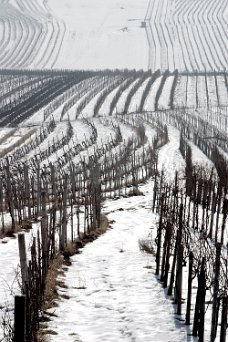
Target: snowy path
170, 159
113, 292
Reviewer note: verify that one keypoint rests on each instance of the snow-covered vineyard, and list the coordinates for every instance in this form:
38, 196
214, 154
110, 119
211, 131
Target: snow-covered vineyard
34, 97
78, 146
113, 170
184, 35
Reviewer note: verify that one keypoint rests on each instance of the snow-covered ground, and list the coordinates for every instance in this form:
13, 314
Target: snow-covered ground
11, 138
113, 292
102, 34
170, 159
10, 274
88, 34
70, 34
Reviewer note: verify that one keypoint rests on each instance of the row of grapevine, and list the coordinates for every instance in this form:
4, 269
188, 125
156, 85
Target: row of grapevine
70, 94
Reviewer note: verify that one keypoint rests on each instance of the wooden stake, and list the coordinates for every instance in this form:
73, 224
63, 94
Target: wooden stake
23, 261
20, 319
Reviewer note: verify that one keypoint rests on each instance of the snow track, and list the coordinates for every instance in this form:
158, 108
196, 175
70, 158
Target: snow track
170, 159
111, 281
136, 98
164, 99
150, 100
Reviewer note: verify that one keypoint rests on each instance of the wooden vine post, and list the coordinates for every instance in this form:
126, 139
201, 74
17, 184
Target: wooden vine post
167, 253
10, 195
225, 213
23, 261
188, 309
27, 189
224, 318
179, 271
19, 319
198, 324
63, 237
202, 292
159, 237
215, 305
44, 238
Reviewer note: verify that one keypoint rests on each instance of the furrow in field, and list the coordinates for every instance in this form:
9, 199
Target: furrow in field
106, 106
201, 92
150, 100
180, 95
212, 94
136, 98
222, 91
122, 99
164, 99
191, 91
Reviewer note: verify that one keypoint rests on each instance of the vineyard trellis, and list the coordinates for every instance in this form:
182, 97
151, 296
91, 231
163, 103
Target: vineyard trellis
190, 234
63, 198
67, 204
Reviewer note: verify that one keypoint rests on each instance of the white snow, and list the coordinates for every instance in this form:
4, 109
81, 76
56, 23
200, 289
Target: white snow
170, 159
113, 292
164, 100
149, 103
199, 158
102, 34
136, 98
